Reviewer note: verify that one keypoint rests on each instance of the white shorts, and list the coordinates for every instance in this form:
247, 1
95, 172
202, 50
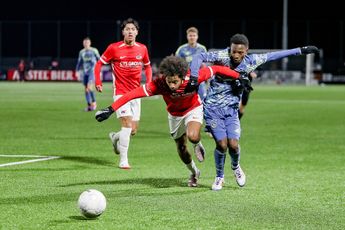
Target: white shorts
178, 124
131, 108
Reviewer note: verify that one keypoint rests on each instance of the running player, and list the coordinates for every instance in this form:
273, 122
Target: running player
87, 59
127, 59
222, 100
185, 111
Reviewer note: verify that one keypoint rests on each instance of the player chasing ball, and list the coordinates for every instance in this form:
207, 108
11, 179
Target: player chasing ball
220, 106
185, 111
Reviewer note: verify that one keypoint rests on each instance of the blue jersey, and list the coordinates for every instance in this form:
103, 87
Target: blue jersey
220, 94
87, 60
249, 63
186, 51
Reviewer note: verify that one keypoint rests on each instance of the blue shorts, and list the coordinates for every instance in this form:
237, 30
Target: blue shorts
88, 79
223, 123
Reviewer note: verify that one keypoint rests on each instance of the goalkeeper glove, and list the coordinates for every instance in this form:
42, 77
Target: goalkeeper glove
246, 83
104, 114
192, 84
309, 50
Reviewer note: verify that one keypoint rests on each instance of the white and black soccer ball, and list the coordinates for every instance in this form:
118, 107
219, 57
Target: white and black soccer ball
92, 203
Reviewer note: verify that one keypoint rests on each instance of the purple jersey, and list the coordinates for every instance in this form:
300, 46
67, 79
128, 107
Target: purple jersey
248, 64
221, 103
186, 51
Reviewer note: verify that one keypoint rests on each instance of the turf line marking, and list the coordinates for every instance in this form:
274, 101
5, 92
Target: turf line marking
28, 161
29, 156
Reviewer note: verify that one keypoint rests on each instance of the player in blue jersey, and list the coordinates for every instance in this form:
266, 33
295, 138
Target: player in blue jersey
87, 60
233, 59
191, 48
222, 101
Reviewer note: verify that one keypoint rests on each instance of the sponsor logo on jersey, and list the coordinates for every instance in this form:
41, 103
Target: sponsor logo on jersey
130, 64
122, 57
139, 57
181, 94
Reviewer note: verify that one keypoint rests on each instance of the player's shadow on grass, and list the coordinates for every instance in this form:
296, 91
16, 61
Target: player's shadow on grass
94, 138
88, 160
81, 159
152, 182
131, 187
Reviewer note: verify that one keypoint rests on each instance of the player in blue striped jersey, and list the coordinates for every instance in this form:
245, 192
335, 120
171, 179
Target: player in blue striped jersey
87, 60
191, 48
223, 98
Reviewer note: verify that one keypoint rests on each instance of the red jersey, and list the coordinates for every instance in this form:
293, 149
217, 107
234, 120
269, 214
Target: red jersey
178, 102
127, 64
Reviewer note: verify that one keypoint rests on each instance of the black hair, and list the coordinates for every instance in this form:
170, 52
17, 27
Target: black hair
239, 39
173, 65
129, 20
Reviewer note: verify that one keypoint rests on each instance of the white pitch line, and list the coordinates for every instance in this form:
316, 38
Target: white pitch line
29, 161
29, 156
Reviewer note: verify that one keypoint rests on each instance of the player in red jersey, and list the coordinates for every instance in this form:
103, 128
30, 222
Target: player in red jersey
185, 111
127, 59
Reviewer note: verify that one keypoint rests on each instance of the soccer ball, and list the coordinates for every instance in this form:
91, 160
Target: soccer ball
92, 203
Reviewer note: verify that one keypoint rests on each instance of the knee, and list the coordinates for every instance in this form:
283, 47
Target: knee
222, 146
194, 137
233, 145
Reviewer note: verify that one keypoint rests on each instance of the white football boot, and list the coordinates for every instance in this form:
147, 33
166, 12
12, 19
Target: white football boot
240, 176
218, 183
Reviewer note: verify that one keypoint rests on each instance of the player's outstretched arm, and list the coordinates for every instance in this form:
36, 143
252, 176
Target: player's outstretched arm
253, 61
224, 71
104, 114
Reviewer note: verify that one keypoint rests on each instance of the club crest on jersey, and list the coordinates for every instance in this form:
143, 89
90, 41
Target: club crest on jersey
139, 57
213, 124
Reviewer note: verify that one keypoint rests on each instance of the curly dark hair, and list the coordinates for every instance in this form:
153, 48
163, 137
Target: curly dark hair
239, 39
173, 65
129, 20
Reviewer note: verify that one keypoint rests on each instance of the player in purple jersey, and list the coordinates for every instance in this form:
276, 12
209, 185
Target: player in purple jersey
191, 48
87, 59
222, 100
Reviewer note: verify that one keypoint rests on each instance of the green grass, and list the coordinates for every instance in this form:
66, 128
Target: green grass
293, 153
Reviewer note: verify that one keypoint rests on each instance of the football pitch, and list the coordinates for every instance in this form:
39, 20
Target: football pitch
292, 151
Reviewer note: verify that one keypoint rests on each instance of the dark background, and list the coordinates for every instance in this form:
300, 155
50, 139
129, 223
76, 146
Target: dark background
175, 10
55, 29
